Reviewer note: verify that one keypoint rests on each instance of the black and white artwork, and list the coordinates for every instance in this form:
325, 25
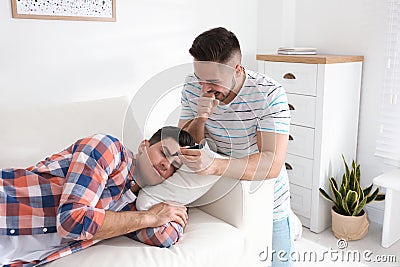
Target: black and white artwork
65, 9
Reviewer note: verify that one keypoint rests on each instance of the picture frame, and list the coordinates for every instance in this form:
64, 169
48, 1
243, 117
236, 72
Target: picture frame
84, 10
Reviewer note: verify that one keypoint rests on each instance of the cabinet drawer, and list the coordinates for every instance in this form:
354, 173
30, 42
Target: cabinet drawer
301, 141
299, 170
297, 78
302, 110
300, 200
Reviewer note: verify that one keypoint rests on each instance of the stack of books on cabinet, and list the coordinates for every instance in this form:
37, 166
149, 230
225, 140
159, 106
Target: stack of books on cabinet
297, 51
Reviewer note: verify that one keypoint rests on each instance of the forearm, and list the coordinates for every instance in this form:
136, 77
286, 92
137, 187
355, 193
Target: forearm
258, 166
196, 128
120, 223
123, 222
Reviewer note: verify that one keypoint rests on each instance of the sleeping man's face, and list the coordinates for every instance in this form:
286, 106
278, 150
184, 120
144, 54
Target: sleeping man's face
156, 163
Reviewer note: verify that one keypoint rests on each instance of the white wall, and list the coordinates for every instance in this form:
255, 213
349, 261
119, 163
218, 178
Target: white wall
61, 61
353, 27
56, 61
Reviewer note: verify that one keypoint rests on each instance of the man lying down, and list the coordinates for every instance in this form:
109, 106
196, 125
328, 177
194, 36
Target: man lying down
86, 193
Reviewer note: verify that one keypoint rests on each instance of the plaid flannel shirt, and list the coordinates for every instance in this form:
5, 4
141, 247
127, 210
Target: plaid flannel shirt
69, 192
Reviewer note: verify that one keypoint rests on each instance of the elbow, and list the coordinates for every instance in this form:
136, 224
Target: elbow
167, 236
275, 171
67, 233
157, 243
275, 166
79, 224
162, 237
167, 243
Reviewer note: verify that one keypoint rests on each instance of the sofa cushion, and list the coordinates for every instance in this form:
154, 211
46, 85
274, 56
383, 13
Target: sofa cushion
207, 241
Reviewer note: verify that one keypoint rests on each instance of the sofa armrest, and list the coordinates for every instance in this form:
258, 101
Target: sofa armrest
247, 205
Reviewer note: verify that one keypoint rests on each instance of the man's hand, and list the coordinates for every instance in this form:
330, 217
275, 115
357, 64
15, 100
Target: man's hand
198, 161
163, 213
206, 105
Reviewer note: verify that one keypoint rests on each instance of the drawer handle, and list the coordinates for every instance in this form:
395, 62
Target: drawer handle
289, 76
291, 107
288, 166
291, 138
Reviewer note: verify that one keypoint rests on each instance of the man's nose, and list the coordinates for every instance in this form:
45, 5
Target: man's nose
166, 164
207, 87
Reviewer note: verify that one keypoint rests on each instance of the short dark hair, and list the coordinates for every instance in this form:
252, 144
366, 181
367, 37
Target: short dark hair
216, 45
182, 137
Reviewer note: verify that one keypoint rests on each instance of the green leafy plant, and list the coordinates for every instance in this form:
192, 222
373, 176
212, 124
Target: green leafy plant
350, 199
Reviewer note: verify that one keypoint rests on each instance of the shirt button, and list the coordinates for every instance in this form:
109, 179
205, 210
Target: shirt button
45, 230
12, 231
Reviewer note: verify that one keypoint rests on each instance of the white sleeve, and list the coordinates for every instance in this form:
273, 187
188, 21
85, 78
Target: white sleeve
189, 96
276, 114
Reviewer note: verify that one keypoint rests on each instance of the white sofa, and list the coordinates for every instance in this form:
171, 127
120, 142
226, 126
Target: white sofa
232, 231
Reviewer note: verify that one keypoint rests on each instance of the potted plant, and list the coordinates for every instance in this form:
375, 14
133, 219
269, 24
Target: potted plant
349, 219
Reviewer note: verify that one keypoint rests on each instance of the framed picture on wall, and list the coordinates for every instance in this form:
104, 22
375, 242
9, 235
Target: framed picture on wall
98, 10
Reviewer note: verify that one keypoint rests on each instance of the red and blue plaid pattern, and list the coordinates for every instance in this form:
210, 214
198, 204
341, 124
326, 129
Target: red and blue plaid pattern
69, 192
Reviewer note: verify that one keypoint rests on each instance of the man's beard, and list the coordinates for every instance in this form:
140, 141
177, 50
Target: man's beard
230, 90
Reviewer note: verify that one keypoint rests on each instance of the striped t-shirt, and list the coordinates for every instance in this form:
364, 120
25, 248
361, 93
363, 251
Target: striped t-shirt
261, 105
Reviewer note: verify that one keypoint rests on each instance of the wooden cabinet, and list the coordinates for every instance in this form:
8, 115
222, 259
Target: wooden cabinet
324, 94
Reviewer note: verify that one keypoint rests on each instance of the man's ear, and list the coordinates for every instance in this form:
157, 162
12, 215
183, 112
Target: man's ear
143, 146
238, 70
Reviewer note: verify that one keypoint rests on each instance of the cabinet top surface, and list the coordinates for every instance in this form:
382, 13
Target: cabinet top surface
310, 59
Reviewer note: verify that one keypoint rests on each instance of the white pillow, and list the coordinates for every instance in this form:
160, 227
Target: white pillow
182, 187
